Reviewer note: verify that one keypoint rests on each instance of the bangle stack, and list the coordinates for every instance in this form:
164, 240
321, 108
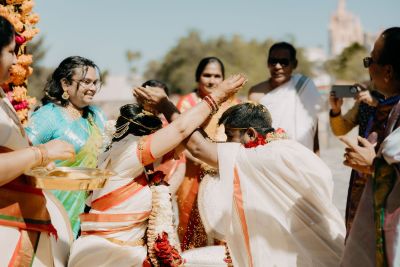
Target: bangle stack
41, 155
38, 155
212, 104
45, 155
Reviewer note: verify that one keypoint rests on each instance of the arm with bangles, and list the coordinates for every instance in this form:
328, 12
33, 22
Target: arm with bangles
197, 143
15, 163
185, 124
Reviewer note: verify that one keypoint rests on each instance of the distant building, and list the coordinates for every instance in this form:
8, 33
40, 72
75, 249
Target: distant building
344, 29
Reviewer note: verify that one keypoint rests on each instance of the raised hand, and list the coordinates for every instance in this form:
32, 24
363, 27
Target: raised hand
149, 97
229, 87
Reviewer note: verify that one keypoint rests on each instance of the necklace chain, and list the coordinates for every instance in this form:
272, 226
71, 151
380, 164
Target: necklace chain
73, 112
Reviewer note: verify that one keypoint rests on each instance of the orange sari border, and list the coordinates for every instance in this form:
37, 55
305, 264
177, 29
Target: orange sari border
25, 210
25, 250
238, 199
111, 231
97, 217
119, 195
144, 150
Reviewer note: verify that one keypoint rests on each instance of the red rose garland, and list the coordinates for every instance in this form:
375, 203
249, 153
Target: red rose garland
261, 140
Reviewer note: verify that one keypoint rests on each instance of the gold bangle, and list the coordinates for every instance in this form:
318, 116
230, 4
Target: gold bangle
45, 154
38, 155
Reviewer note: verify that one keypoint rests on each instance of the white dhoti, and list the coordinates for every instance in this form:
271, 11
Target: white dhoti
274, 206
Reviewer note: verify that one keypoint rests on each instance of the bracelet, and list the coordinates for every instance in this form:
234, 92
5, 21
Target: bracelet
333, 115
45, 155
38, 155
211, 104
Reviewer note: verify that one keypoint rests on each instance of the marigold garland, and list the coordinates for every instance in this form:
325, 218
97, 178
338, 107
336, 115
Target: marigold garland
19, 13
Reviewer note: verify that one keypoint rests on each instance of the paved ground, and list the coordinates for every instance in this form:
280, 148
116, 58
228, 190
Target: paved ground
333, 157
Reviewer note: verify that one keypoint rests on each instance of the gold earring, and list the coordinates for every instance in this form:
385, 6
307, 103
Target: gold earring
65, 95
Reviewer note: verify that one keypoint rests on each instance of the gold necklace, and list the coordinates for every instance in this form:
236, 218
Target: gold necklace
73, 112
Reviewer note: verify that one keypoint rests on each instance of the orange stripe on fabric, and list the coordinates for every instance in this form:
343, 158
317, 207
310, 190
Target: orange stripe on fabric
119, 195
238, 198
144, 150
16, 251
26, 249
111, 231
95, 217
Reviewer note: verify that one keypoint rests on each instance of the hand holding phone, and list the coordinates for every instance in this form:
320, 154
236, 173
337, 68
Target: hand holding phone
342, 91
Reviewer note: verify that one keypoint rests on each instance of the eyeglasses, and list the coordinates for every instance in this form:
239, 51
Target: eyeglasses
86, 84
368, 61
284, 62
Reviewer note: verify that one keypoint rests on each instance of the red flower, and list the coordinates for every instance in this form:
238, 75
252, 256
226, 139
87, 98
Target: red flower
260, 140
166, 254
157, 178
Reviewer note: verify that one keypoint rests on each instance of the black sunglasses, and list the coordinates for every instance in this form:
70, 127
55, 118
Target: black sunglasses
284, 62
368, 61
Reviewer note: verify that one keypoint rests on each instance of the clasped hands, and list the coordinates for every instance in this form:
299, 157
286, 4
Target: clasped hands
359, 158
152, 98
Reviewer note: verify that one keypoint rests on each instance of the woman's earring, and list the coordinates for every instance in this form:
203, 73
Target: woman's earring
65, 95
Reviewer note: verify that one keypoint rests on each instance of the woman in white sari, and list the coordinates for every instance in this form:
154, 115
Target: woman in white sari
113, 230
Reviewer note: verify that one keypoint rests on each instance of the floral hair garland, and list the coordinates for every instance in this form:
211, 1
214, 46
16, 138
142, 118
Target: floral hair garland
271, 136
19, 14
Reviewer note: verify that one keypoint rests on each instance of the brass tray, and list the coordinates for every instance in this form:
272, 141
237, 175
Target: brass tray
68, 178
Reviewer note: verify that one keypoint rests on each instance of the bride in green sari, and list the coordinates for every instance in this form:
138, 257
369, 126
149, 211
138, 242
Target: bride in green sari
67, 115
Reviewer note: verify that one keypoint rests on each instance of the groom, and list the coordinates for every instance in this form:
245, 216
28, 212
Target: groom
277, 208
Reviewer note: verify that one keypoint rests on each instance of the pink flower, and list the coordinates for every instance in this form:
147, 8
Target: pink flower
19, 39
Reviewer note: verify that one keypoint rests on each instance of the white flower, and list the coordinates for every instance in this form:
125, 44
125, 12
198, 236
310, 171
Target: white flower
109, 130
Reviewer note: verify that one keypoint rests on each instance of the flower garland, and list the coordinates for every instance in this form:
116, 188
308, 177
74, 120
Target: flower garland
163, 247
19, 13
271, 136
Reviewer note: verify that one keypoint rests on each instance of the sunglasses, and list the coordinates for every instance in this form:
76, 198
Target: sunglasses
368, 61
284, 62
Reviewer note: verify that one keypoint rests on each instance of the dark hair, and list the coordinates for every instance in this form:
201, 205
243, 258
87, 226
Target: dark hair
7, 33
390, 53
285, 46
139, 121
155, 83
246, 115
66, 70
203, 64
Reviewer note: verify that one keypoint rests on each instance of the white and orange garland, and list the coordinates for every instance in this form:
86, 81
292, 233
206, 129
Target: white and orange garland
19, 13
163, 247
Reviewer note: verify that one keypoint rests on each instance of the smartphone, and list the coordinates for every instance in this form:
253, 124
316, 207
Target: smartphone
342, 91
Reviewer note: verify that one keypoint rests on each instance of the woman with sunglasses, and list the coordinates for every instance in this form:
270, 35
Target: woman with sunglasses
31, 223
67, 114
369, 113
292, 100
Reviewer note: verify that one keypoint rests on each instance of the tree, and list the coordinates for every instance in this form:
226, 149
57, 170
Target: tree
178, 66
37, 80
132, 58
348, 65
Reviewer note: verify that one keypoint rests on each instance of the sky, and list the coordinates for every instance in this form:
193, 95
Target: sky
104, 30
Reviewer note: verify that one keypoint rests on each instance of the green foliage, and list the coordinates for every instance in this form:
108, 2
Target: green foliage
38, 79
348, 65
178, 66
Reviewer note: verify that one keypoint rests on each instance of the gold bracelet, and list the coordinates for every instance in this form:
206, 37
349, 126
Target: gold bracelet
45, 154
38, 155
